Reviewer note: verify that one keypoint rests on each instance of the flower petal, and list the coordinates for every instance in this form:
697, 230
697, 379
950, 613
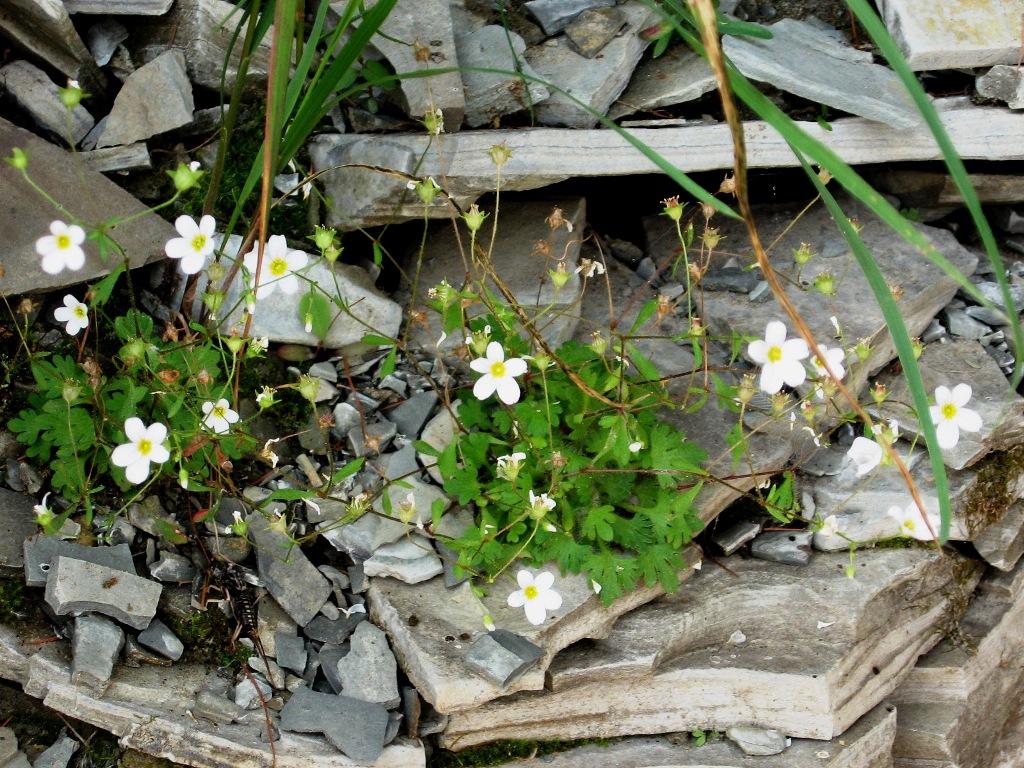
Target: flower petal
948, 434
758, 351
515, 366
968, 420
138, 471
551, 600
484, 387
544, 580
186, 227
961, 394
134, 429
156, 433
524, 578
775, 333
508, 390
495, 352
517, 599
771, 379
535, 612
125, 455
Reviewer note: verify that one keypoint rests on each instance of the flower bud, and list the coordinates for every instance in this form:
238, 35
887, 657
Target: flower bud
745, 391
500, 154
234, 343
184, 177
433, 121
72, 95
673, 208
917, 346
324, 238
598, 343
427, 190
802, 254
183, 478
862, 350
18, 158
308, 387
711, 238
825, 283
71, 391
133, 351
879, 393
474, 217
265, 398
559, 275
542, 362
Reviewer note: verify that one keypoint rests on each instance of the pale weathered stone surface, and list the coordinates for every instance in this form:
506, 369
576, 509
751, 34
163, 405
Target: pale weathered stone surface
676, 76
1004, 83
546, 156
432, 648
17, 521
866, 744
96, 644
1000, 407
90, 196
955, 703
149, 710
120, 7
204, 31
43, 30
807, 61
429, 23
595, 82
137, 116
946, 34
490, 95
133, 157
298, 587
37, 95
515, 257
1002, 543
76, 586
669, 666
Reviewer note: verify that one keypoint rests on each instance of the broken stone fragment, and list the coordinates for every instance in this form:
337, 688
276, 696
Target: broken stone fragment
411, 415
1002, 543
95, 646
757, 741
172, 567
369, 671
77, 586
491, 95
357, 728
730, 539
58, 754
556, 15
294, 582
592, 30
17, 524
677, 76
137, 116
35, 94
788, 547
159, 637
119, 7
502, 656
291, 652
411, 559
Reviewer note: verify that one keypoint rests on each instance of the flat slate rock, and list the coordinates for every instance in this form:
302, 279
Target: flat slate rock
17, 522
809, 62
821, 650
677, 76
90, 196
431, 629
149, 710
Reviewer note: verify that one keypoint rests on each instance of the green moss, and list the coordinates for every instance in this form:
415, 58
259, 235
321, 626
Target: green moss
12, 601
993, 493
208, 638
503, 751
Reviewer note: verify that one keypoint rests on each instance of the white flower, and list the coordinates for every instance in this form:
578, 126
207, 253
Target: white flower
540, 505
508, 466
867, 454
498, 375
589, 268
357, 608
829, 526
259, 345
195, 243
44, 515
62, 248
950, 416
145, 445
635, 447
834, 357
779, 358
219, 416
279, 267
912, 522
596, 586
535, 595
74, 313
265, 398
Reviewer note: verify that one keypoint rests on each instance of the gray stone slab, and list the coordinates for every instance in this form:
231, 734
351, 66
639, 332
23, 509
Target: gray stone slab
41, 549
17, 522
137, 116
804, 60
758, 742
947, 34
37, 95
431, 626
592, 30
490, 95
291, 652
77, 586
88, 195
369, 671
1000, 407
556, 15
428, 23
356, 727
271, 620
669, 666
294, 582
595, 82
95, 646
729, 538
58, 754
133, 157
411, 559
541, 157
120, 7
8, 745
1004, 83
787, 547
677, 76
502, 656
1002, 543
866, 744
159, 637
43, 30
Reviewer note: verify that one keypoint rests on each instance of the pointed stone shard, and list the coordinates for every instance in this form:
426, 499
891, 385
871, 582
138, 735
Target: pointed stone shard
37, 95
1004, 83
95, 645
675, 77
669, 666
490, 95
76, 586
294, 582
137, 116
809, 62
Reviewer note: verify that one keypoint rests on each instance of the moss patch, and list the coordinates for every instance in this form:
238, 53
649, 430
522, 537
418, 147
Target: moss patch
503, 751
207, 636
12, 601
993, 493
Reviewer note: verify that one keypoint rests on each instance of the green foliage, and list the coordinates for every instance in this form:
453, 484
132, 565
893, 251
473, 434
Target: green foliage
622, 479
13, 600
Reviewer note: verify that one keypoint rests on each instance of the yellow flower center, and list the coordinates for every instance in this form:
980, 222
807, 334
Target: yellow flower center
63, 242
145, 446
909, 525
498, 370
949, 411
530, 592
278, 267
198, 242
774, 354
218, 412
79, 311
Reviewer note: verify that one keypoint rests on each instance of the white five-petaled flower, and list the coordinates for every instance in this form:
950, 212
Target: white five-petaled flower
62, 248
779, 358
508, 466
829, 526
195, 243
74, 313
145, 445
540, 505
636, 446
913, 523
279, 267
219, 416
535, 595
950, 416
498, 375
589, 267
866, 454
834, 357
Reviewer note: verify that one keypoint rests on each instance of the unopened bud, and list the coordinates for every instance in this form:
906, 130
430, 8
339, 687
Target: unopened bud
559, 275
802, 254
500, 154
234, 343
673, 208
879, 393
18, 158
474, 217
825, 283
184, 177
